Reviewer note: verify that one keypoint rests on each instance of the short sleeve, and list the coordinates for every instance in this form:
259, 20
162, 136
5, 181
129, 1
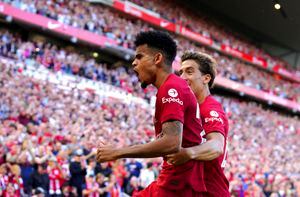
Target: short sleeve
172, 104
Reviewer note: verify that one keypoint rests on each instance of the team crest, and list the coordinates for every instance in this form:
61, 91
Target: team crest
214, 114
172, 93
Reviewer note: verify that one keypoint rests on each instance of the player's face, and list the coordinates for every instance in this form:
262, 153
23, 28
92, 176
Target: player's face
144, 65
190, 72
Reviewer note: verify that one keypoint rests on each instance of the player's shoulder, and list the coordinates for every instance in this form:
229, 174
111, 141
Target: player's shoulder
175, 82
211, 101
211, 104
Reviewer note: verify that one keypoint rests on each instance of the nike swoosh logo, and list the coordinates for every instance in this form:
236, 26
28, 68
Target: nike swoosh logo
164, 24
53, 25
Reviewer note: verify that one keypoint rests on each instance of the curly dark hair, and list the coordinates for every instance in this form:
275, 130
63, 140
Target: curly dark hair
160, 41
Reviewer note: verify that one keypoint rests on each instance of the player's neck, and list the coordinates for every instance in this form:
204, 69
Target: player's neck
161, 78
202, 95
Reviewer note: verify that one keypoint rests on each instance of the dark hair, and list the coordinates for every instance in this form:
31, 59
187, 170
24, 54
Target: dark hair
206, 64
149, 165
12, 125
158, 40
44, 165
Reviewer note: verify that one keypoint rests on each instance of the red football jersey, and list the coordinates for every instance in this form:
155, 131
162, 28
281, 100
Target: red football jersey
214, 120
176, 101
55, 177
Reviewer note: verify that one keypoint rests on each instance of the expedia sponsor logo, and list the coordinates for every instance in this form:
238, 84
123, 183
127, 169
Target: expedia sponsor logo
212, 119
169, 100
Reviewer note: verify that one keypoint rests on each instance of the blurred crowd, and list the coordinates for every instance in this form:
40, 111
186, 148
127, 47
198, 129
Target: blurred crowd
102, 20
81, 14
262, 156
49, 137
207, 26
59, 58
248, 75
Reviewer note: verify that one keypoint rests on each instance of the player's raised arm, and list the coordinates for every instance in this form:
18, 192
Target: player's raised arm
168, 142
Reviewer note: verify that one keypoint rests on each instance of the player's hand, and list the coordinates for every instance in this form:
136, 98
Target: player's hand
106, 153
178, 158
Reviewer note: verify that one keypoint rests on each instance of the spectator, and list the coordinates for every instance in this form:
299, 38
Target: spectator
39, 179
103, 185
91, 187
56, 177
134, 168
78, 171
103, 168
133, 186
147, 175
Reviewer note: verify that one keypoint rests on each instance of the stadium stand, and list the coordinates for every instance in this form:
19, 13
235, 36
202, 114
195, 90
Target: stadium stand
114, 26
55, 103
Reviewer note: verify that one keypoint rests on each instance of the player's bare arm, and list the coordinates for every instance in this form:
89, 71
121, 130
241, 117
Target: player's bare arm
207, 151
167, 143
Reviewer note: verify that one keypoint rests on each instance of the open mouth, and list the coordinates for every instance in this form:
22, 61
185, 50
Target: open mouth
137, 74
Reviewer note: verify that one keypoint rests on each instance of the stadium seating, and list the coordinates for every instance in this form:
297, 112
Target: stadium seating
45, 117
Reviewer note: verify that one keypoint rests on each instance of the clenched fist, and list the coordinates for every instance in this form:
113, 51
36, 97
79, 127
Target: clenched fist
106, 153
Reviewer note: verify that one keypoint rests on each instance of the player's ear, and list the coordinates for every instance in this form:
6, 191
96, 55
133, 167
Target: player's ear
158, 58
206, 78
